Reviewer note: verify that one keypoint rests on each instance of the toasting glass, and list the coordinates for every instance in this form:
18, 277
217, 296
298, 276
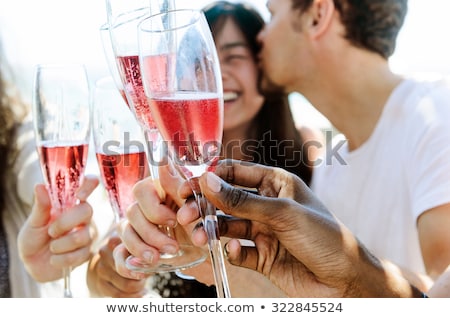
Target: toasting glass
182, 81
61, 118
110, 58
119, 145
123, 19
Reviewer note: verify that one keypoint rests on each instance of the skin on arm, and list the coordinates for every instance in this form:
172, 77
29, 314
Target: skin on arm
441, 287
434, 235
315, 141
47, 246
300, 246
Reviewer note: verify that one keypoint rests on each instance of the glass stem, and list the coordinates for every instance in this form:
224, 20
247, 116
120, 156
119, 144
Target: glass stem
67, 289
157, 151
210, 224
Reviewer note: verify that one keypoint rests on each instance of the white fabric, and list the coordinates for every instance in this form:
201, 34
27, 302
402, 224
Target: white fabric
402, 170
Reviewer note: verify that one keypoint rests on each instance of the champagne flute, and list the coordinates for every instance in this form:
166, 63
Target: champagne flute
123, 19
108, 52
119, 146
183, 84
61, 118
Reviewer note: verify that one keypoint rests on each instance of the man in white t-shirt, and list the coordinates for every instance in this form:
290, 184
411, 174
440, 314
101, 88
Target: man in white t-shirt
391, 182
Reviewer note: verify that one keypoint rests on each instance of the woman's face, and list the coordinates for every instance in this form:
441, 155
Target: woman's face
242, 100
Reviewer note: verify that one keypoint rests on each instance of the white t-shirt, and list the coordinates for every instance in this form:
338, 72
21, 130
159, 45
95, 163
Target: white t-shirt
401, 171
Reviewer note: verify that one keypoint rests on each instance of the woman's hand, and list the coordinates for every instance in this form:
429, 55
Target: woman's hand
47, 245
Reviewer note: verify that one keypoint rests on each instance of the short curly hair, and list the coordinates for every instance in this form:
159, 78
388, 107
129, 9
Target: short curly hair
370, 24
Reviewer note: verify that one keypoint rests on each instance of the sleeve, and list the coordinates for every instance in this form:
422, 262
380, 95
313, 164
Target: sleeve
429, 167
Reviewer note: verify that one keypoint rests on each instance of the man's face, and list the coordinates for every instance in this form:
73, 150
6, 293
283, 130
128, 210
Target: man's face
283, 46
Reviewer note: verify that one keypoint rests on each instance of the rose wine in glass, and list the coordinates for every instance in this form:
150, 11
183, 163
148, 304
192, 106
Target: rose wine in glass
61, 118
123, 19
119, 145
183, 84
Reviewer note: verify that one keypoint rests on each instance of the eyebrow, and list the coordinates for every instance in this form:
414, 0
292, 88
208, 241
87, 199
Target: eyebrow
232, 45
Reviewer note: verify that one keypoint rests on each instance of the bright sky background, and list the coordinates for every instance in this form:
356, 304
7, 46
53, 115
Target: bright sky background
37, 31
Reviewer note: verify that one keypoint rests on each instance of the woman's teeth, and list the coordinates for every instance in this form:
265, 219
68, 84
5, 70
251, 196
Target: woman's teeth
229, 96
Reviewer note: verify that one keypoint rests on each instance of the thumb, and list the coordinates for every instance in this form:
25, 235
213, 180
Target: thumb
41, 212
238, 202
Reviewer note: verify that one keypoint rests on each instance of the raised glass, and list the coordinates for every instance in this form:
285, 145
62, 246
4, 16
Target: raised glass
61, 118
183, 84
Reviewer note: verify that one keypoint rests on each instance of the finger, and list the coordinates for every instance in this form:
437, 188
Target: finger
151, 205
238, 202
239, 255
72, 259
188, 213
269, 181
174, 184
243, 173
158, 242
150, 233
120, 255
106, 272
40, 214
235, 227
89, 184
80, 214
72, 241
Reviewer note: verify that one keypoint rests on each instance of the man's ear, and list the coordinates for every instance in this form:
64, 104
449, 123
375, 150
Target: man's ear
320, 16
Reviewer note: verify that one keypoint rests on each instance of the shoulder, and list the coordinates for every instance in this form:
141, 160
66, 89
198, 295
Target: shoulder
423, 107
310, 133
314, 139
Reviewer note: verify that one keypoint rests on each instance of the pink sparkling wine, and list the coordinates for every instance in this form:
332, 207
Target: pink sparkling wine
119, 173
63, 168
130, 70
192, 124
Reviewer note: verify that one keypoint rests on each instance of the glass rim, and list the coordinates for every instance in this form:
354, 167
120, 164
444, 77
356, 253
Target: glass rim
195, 18
128, 17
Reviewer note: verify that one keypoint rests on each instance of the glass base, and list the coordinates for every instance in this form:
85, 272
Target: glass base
188, 256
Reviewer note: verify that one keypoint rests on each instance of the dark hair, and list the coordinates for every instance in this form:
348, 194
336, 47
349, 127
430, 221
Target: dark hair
370, 24
275, 139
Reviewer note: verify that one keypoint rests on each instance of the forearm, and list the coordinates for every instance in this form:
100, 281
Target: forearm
381, 279
441, 287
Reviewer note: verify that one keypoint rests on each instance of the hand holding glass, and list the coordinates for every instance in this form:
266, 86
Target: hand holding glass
123, 18
182, 81
62, 128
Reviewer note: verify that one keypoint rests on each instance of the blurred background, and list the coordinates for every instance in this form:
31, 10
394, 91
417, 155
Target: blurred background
61, 30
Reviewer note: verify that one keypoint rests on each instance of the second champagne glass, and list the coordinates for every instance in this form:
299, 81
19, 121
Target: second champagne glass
61, 118
123, 19
119, 146
183, 83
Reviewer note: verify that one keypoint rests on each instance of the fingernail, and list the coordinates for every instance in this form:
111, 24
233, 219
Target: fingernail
225, 250
172, 223
214, 182
169, 249
137, 275
148, 256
